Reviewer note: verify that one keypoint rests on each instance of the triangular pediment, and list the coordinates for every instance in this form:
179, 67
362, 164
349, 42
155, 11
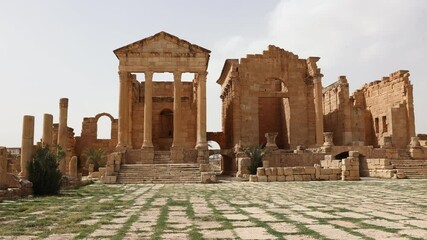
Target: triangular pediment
162, 42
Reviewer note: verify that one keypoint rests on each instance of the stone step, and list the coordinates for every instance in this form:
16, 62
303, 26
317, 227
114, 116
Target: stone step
159, 173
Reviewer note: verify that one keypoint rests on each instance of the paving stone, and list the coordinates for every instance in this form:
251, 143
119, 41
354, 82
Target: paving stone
103, 233
322, 215
332, 232
243, 223
253, 233
208, 225
345, 224
380, 235
89, 222
417, 223
218, 234
352, 215
299, 237
284, 227
417, 233
385, 223
174, 236
61, 236
236, 216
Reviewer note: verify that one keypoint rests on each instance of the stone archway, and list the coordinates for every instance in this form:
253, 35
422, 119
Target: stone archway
104, 114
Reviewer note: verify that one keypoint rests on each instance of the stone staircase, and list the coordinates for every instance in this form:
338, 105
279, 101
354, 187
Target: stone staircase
412, 168
162, 157
159, 173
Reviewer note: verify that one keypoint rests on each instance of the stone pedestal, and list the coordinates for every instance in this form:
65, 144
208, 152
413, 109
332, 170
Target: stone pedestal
203, 155
147, 155
271, 141
350, 167
177, 154
243, 165
72, 167
328, 141
387, 142
27, 144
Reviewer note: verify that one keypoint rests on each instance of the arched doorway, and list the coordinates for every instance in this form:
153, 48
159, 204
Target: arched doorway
166, 129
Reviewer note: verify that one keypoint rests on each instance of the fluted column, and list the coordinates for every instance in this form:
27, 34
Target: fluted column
177, 135
63, 131
123, 127
47, 130
201, 111
318, 104
148, 111
27, 144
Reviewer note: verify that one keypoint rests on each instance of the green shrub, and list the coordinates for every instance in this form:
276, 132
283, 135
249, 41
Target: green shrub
43, 171
255, 154
95, 157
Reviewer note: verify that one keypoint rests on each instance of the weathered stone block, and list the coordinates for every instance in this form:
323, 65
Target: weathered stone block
281, 178
279, 171
306, 177
310, 170
253, 178
268, 171
287, 171
353, 154
262, 178
298, 177
273, 171
260, 171
272, 178
298, 170
290, 178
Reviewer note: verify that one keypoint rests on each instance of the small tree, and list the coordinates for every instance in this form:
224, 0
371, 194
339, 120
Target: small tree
43, 171
95, 157
255, 154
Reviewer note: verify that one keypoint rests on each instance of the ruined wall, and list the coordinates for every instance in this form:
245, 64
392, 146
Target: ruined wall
275, 94
163, 115
89, 136
390, 103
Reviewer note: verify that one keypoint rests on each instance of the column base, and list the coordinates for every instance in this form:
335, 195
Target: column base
147, 155
177, 154
202, 146
203, 156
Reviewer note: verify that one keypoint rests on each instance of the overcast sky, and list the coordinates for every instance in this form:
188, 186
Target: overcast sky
54, 49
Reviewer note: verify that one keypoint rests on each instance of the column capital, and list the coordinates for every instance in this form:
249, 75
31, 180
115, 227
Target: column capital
177, 76
148, 75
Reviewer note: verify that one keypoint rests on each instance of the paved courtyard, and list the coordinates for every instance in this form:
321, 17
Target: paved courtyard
370, 209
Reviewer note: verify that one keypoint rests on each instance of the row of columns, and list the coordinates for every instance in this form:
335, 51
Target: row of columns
27, 144
125, 116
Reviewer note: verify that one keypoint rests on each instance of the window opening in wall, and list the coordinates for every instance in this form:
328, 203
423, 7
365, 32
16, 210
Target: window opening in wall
377, 125
384, 120
103, 128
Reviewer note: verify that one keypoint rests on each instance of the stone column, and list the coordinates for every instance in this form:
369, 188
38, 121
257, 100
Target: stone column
63, 131
27, 144
177, 110
148, 111
3, 168
147, 146
47, 130
201, 111
318, 104
328, 142
123, 127
177, 154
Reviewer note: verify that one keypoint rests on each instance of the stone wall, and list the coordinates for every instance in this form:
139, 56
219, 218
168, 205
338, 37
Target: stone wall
377, 110
269, 92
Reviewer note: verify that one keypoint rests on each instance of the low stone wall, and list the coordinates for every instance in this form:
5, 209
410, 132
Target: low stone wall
286, 174
377, 167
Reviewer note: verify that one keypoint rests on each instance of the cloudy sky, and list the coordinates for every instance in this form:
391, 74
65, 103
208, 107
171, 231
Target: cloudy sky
53, 49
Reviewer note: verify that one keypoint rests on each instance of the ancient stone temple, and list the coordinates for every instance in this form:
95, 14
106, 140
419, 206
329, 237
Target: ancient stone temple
156, 115
274, 99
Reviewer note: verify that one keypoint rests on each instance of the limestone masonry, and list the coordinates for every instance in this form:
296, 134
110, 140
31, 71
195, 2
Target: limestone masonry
274, 99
